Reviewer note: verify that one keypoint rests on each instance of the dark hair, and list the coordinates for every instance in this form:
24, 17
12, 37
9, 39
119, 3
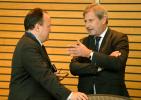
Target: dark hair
32, 18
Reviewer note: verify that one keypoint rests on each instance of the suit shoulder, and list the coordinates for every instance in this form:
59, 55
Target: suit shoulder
84, 40
117, 33
26, 42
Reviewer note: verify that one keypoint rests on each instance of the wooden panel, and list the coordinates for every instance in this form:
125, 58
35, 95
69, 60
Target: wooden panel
123, 7
124, 15
62, 36
133, 69
4, 91
120, 1
66, 14
4, 84
21, 13
130, 61
16, 20
134, 92
5, 62
52, 43
10, 34
132, 46
136, 54
60, 21
13, 12
5, 77
136, 98
6, 55
3, 98
115, 7
7, 48
74, 81
53, 1
134, 38
74, 29
48, 6
5, 71
125, 23
135, 85
128, 30
129, 69
135, 46
133, 61
8, 41
72, 37
72, 88
134, 77
68, 26
53, 28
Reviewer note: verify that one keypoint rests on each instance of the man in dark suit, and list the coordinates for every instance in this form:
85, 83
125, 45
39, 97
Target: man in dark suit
100, 59
33, 76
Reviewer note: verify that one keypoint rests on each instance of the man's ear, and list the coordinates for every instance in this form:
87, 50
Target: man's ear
37, 27
104, 20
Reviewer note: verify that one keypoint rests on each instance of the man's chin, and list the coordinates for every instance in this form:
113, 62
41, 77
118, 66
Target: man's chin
92, 32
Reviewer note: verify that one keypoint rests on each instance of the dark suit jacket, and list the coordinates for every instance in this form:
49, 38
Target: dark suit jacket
32, 75
111, 79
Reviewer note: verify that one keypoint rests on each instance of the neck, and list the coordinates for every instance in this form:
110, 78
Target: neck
35, 34
102, 30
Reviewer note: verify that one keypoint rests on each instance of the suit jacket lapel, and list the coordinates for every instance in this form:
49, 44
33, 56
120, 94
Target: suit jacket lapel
45, 55
104, 42
42, 48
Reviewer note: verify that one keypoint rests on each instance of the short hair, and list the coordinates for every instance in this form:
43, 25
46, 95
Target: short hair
33, 17
98, 10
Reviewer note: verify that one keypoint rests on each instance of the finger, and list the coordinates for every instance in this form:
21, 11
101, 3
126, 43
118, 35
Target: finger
72, 49
85, 97
82, 97
79, 43
72, 46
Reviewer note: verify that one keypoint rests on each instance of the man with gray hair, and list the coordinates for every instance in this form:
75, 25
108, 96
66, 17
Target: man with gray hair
100, 58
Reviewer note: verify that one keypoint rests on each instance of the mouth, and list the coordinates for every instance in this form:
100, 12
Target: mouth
92, 31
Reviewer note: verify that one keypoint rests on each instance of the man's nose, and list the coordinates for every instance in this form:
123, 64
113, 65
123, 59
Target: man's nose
87, 24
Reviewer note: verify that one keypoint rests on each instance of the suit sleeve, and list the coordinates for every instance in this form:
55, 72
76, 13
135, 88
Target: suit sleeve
113, 63
40, 71
82, 66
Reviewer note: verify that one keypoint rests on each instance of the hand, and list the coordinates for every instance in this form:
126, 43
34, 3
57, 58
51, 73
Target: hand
79, 50
115, 54
78, 96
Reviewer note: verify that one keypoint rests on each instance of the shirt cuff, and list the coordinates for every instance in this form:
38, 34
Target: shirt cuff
99, 69
69, 97
91, 55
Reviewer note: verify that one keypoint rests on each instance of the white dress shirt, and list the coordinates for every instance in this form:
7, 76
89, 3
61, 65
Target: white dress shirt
91, 54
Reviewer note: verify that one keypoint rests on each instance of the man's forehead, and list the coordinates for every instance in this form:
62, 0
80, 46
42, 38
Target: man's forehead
90, 14
46, 17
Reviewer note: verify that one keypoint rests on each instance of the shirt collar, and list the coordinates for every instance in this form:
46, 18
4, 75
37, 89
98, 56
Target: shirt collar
35, 37
104, 32
38, 39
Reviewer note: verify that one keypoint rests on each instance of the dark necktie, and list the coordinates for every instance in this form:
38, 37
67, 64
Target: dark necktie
97, 39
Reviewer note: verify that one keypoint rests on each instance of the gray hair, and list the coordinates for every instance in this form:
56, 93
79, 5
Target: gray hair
98, 10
